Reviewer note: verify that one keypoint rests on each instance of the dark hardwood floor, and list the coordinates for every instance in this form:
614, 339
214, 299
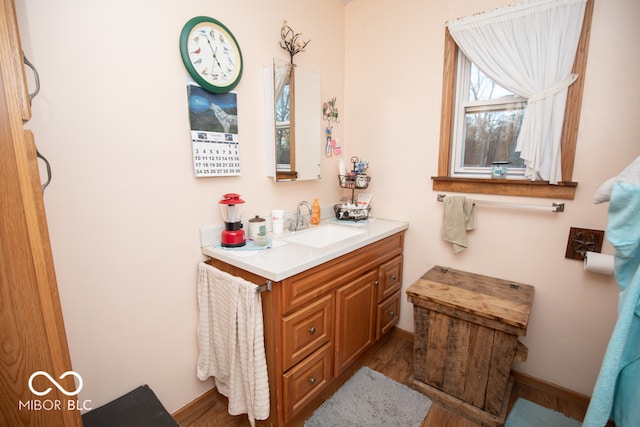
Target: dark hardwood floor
394, 358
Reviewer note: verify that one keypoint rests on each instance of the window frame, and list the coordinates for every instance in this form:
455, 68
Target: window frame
444, 181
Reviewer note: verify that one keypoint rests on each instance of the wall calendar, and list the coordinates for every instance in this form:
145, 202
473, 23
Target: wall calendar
214, 132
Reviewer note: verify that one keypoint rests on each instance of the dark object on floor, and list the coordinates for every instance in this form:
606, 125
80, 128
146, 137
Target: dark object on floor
138, 408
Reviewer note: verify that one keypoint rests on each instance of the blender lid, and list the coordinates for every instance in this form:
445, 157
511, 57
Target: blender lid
231, 199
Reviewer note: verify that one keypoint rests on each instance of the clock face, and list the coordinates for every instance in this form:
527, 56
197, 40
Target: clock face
211, 54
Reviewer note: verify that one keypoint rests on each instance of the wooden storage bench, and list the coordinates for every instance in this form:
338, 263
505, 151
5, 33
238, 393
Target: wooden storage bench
466, 339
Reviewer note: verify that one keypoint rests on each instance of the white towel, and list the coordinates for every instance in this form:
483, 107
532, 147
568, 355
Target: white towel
630, 174
231, 341
458, 218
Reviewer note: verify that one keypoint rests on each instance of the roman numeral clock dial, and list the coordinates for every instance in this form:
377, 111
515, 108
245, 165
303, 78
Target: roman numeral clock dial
211, 54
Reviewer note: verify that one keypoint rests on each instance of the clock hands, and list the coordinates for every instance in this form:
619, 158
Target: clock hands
214, 53
216, 58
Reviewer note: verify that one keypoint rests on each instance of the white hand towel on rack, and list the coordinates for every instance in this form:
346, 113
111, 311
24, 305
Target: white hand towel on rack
231, 341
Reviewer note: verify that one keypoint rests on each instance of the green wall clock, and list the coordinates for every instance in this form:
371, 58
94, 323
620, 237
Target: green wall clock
211, 54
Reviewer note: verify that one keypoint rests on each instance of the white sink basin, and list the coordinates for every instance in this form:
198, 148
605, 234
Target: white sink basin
323, 236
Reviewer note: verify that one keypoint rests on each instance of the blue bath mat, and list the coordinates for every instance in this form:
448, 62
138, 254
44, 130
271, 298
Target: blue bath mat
529, 414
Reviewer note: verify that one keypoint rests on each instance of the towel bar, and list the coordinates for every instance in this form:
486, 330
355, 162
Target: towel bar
555, 207
266, 287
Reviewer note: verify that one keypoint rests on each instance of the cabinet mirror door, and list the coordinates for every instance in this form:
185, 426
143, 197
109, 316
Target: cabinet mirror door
293, 122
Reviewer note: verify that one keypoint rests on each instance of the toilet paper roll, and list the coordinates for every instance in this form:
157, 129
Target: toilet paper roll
599, 263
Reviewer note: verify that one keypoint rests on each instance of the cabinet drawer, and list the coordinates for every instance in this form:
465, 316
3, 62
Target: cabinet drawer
305, 381
388, 314
306, 330
390, 278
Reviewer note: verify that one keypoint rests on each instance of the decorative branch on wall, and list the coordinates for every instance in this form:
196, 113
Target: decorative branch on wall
330, 114
291, 41
330, 111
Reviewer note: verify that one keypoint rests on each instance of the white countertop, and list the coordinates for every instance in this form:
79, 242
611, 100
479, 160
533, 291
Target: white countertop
286, 259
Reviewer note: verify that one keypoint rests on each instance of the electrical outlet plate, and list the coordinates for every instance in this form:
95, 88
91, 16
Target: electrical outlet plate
583, 240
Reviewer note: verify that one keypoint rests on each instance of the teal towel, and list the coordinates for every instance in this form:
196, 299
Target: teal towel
616, 394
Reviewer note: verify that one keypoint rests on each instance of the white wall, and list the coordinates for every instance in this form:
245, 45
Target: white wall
124, 208
393, 120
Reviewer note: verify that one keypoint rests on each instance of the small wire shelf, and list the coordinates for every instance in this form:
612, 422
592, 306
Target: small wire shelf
357, 182
353, 182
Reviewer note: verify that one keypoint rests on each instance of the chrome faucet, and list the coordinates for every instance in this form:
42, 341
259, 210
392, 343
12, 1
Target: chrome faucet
300, 222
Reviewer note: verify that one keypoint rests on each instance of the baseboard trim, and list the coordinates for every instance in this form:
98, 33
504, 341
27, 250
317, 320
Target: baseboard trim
551, 389
402, 333
196, 407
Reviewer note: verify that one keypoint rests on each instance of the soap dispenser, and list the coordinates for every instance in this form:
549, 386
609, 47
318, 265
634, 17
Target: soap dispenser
315, 212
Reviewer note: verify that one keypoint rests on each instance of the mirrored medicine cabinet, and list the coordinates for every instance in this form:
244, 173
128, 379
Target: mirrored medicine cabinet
293, 122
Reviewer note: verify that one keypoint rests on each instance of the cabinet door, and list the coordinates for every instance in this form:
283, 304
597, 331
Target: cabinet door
13, 59
355, 310
32, 332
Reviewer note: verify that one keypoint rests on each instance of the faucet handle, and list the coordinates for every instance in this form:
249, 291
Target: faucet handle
301, 220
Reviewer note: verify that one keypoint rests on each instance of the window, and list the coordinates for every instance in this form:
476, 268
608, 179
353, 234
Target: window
486, 124
470, 180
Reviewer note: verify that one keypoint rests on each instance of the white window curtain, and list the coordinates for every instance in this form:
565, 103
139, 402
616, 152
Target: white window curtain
529, 48
282, 76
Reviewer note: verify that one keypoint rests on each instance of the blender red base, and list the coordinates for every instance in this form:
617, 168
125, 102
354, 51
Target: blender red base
232, 239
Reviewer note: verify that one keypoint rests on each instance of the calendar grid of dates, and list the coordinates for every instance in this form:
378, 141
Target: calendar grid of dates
215, 157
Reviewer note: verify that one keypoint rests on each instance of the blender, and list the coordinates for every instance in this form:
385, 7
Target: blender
231, 208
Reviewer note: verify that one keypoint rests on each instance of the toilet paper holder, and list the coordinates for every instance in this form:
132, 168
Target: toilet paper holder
583, 240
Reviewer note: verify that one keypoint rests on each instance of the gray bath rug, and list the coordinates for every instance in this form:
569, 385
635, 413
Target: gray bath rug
529, 414
371, 399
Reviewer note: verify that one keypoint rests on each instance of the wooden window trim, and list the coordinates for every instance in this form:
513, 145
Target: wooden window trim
514, 187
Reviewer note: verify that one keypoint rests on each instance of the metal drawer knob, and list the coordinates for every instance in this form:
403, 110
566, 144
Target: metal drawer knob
312, 380
394, 277
392, 313
312, 330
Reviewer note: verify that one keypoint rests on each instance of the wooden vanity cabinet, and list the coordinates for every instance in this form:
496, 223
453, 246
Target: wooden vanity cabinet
319, 322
